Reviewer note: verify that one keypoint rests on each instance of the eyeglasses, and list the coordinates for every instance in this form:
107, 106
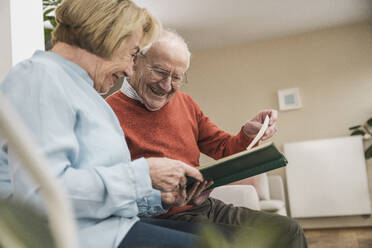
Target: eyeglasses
160, 74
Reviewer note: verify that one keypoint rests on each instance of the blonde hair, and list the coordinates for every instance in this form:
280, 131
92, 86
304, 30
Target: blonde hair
100, 26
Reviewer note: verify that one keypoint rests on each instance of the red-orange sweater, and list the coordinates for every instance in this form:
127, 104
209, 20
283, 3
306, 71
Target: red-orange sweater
179, 131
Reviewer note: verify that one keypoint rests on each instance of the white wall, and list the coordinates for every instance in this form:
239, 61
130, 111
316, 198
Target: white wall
5, 41
332, 68
21, 23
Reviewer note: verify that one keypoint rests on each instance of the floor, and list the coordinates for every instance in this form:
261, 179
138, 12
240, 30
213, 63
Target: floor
340, 238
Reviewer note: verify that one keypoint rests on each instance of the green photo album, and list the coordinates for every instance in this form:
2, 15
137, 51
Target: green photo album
242, 165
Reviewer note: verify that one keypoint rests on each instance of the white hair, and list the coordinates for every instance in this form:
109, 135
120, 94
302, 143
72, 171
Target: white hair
170, 36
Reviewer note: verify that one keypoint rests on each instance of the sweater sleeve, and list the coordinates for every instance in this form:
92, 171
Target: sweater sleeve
215, 142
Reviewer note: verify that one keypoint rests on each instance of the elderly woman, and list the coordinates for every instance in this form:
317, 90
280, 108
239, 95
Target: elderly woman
57, 95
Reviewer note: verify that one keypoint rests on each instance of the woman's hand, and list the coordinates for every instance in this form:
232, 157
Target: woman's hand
175, 198
168, 175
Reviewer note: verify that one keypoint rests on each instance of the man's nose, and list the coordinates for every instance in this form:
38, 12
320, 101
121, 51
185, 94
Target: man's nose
166, 84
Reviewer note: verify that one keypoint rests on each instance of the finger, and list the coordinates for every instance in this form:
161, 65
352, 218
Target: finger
266, 112
251, 128
269, 132
259, 117
196, 194
168, 198
273, 117
254, 126
182, 181
178, 175
272, 113
184, 194
201, 188
192, 191
202, 197
169, 184
177, 188
192, 172
174, 184
208, 190
181, 197
210, 184
196, 198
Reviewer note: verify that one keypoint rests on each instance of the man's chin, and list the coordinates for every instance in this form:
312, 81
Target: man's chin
154, 107
156, 104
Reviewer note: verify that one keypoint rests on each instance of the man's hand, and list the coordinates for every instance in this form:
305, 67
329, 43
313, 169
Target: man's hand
168, 175
252, 127
179, 197
198, 193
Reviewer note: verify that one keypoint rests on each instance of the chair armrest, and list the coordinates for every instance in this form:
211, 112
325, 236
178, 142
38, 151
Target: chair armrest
276, 188
238, 195
271, 205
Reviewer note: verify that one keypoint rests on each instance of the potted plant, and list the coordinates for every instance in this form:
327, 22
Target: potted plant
366, 131
49, 6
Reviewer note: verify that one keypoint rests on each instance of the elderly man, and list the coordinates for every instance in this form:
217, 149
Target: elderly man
160, 121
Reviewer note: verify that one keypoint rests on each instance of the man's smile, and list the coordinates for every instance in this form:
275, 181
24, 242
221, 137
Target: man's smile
157, 91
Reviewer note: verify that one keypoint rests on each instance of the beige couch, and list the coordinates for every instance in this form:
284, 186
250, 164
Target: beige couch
263, 192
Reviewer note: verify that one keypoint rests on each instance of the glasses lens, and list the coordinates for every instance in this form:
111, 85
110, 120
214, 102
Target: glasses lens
160, 74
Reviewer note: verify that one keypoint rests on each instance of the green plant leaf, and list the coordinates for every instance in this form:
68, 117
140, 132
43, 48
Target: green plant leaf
49, 18
354, 127
212, 238
53, 22
357, 132
47, 35
47, 12
369, 122
368, 152
25, 224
